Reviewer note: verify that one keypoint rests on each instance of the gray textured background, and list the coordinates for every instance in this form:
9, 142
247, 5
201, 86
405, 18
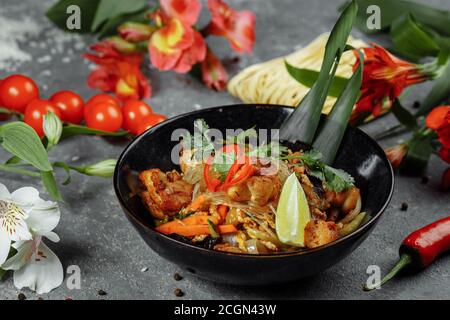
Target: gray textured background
94, 232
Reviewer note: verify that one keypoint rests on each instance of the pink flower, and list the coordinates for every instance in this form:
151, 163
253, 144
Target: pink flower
236, 26
187, 11
176, 45
214, 74
117, 72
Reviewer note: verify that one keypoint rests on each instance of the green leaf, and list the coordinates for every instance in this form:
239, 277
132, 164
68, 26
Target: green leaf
58, 14
330, 135
337, 179
73, 130
22, 141
110, 27
419, 151
438, 93
333, 179
108, 9
2, 274
49, 182
437, 19
302, 124
411, 40
13, 160
222, 163
308, 77
404, 116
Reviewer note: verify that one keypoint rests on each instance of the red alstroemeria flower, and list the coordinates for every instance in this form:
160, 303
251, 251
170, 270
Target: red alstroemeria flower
214, 74
396, 154
236, 26
176, 45
384, 79
117, 72
439, 121
187, 11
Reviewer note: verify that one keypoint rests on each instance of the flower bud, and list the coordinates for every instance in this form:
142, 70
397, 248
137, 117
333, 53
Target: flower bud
135, 32
122, 45
214, 75
52, 128
396, 154
103, 168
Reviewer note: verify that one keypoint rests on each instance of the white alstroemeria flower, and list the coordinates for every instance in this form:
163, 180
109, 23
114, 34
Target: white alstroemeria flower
35, 265
12, 221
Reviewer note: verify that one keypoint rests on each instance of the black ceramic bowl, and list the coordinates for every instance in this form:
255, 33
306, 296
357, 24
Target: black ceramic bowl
359, 155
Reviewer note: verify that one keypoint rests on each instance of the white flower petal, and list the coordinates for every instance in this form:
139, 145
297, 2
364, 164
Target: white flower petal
53, 237
5, 245
22, 232
43, 273
43, 217
25, 196
4, 193
22, 256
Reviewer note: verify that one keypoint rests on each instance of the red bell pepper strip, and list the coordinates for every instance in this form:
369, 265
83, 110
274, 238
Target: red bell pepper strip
421, 248
239, 171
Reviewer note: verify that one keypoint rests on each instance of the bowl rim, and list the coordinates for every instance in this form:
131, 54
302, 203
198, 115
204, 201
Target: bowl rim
145, 226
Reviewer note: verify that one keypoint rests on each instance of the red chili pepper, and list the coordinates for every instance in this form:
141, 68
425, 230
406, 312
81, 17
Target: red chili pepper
422, 247
239, 171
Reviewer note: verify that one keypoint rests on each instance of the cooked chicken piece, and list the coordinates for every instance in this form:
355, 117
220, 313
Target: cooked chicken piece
166, 193
319, 232
258, 189
264, 189
239, 192
155, 211
346, 200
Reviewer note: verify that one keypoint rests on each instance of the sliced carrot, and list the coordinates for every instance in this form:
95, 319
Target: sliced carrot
196, 230
198, 203
167, 228
223, 211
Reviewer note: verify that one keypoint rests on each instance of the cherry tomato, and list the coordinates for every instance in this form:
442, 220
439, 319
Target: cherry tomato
133, 113
3, 116
16, 91
35, 111
102, 97
105, 116
70, 104
150, 121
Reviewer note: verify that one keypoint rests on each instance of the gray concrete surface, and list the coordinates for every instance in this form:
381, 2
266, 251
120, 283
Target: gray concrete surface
95, 234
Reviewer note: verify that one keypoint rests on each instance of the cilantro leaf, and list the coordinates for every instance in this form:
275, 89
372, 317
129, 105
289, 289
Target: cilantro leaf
222, 163
333, 179
337, 179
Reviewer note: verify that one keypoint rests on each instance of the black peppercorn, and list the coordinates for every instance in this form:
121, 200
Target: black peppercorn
178, 292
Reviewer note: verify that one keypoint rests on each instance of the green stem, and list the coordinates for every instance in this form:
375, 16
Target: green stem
405, 260
15, 169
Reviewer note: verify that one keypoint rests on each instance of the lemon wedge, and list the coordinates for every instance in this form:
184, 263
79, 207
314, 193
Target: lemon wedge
292, 213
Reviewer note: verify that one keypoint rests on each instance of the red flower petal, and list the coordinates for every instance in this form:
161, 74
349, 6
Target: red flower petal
444, 153
437, 118
192, 55
186, 11
236, 27
214, 74
167, 44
